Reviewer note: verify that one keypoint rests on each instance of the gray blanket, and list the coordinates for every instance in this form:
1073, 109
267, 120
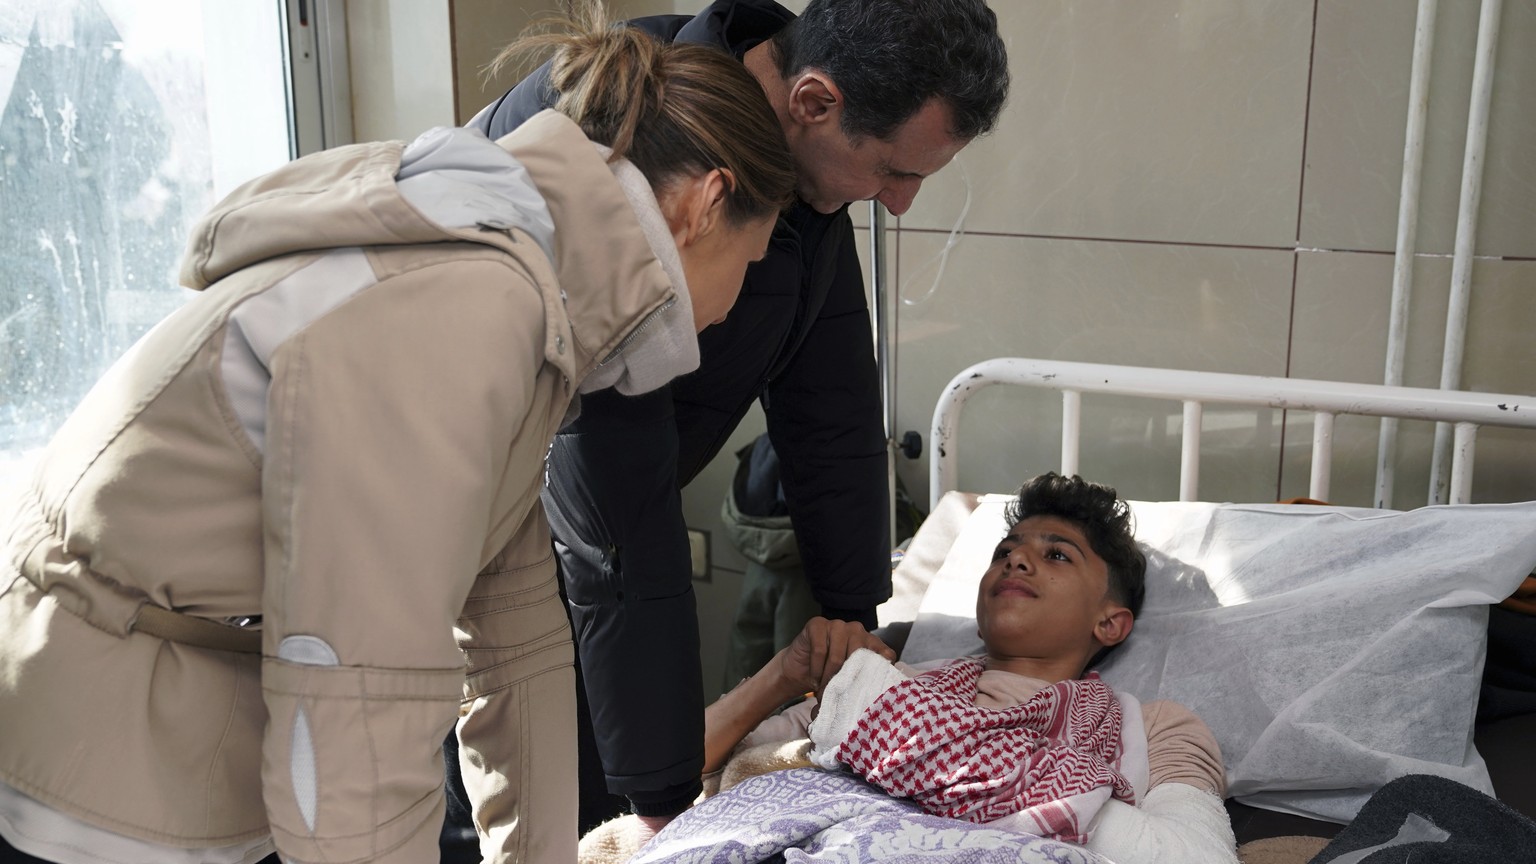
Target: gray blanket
811, 815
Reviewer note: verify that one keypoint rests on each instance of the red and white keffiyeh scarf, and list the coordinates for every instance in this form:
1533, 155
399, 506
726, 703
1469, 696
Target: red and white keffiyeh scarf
1051, 760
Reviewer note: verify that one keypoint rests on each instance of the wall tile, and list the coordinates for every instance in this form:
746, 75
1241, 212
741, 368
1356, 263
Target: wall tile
1359, 115
481, 28
892, 238
399, 58
1342, 309
858, 211
1171, 120
1128, 303
716, 604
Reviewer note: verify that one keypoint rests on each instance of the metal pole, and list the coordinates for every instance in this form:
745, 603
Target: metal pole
1071, 431
1407, 233
1291, 394
1189, 459
882, 311
1322, 456
1466, 236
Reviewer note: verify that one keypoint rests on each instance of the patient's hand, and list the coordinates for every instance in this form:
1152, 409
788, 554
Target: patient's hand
815, 655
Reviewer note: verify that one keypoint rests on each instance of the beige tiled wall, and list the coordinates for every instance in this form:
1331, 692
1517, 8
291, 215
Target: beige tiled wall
1194, 307
1340, 324
1359, 110
482, 28
400, 57
1168, 121
1146, 201
422, 63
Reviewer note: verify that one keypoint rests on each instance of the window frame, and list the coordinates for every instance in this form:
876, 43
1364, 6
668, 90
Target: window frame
319, 76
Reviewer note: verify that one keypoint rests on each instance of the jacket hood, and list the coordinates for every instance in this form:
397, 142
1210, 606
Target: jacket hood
609, 231
664, 345
377, 194
618, 308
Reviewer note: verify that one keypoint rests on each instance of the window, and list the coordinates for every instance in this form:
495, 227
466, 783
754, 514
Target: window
121, 122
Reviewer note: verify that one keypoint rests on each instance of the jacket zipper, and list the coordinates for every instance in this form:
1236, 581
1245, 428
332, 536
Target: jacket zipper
645, 322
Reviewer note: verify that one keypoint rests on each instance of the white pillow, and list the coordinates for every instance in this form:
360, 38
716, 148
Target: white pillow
1329, 649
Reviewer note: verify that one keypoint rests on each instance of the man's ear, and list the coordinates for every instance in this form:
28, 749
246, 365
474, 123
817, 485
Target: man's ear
814, 99
1114, 624
695, 206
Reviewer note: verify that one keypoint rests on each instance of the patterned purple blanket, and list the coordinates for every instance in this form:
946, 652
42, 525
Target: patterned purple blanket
811, 815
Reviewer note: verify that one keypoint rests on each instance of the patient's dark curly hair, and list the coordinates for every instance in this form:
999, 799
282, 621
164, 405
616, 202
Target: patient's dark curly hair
1103, 517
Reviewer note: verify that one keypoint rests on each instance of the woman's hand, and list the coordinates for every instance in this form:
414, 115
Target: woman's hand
818, 652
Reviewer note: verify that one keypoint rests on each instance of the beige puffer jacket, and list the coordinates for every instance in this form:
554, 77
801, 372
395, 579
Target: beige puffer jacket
343, 433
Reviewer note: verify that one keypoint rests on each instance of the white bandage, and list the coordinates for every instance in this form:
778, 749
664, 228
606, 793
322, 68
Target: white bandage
864, 676
1175, 824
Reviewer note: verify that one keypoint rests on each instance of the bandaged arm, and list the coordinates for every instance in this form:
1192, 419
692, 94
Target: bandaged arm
1182, 818
1175, 824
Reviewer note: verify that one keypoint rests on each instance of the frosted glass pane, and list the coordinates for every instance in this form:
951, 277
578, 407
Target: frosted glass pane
116, 132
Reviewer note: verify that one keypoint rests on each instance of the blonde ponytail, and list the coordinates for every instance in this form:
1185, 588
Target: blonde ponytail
671, 109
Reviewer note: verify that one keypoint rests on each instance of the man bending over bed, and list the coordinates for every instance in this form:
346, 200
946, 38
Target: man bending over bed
1020, 738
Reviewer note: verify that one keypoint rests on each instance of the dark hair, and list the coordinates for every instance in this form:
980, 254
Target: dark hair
1104, 518
671, 109
889, 57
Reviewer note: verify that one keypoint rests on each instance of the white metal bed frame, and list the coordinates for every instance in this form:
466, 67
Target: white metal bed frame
1327, 399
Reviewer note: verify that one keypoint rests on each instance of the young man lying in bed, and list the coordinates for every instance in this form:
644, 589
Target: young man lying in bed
1019, 738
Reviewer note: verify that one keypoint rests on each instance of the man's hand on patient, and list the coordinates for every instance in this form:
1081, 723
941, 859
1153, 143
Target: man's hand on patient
806, 665
810, 661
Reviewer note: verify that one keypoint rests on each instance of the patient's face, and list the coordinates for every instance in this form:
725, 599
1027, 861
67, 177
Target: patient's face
1043, 592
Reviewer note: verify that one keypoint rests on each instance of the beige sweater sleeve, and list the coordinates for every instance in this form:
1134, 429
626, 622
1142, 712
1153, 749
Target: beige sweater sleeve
1181, 748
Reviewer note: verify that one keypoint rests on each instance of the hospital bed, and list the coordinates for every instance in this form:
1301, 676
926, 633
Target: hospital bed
1329, 648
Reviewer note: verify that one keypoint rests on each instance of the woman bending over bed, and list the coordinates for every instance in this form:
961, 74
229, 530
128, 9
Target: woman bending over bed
1020, 738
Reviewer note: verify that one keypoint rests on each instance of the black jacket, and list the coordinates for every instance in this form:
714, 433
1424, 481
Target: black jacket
798, 339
